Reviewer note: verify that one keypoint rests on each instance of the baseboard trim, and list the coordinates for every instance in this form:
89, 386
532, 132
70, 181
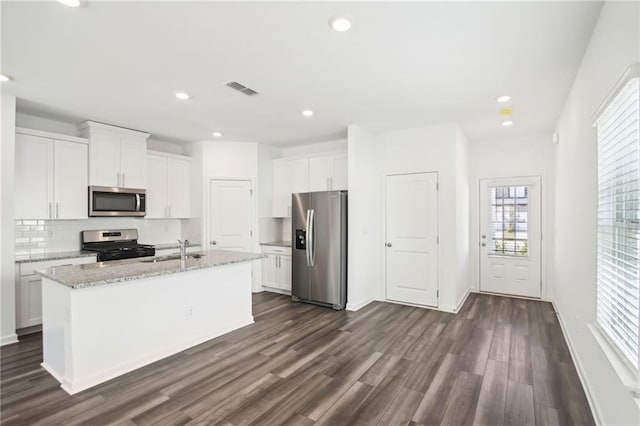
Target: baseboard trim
358, 305
8, 339
593, 405
455, 309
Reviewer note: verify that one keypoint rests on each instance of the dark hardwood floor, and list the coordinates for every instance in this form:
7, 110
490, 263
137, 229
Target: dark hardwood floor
500, 361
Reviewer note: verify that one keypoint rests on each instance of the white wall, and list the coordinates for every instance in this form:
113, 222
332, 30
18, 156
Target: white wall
315, 148
614, 46
223, 160
45, 124
514, 157
7, 266
464, 279
439, 149
364, 275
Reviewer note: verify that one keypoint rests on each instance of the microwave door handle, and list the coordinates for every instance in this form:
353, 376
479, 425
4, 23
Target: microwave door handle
137, 202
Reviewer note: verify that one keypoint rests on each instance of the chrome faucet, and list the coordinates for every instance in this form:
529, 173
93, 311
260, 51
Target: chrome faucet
183, 253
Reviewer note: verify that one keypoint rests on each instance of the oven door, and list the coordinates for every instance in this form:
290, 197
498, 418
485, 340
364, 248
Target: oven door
108, 201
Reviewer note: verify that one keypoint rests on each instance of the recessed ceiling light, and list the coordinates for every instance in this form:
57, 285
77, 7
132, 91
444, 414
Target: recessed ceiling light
217, 134
340, 23
182, 95
504, 98
70, 3
507, 123
307, 113
4, 77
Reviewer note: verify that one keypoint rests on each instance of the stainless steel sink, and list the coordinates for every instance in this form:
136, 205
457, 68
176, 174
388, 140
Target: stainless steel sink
170, 257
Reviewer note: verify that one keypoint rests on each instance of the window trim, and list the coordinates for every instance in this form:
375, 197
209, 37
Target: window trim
626, 371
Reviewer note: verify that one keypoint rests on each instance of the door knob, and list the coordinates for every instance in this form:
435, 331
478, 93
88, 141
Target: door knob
388, 244
213, 243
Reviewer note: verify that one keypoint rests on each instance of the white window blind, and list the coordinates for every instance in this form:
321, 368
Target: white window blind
618, 285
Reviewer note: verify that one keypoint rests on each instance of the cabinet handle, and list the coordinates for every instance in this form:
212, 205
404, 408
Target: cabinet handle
330, 183
50, 211
168, 211
118, 178
57, 211
123, 184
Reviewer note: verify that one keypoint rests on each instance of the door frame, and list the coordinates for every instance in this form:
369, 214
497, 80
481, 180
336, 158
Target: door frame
206, 226
384, 239
543, 223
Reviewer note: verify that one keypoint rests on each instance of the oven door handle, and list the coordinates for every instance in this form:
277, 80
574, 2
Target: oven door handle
137, 202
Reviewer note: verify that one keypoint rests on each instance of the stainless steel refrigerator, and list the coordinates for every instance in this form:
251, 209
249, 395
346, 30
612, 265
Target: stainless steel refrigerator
319, 249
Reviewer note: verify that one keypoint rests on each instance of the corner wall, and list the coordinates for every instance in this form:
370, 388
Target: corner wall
365, 277
614, 46
7, 230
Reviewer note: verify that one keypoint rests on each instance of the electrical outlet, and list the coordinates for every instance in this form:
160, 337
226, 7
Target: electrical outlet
189, 311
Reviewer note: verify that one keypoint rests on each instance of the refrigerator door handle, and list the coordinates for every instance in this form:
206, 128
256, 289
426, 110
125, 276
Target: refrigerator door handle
308, 229
311, 238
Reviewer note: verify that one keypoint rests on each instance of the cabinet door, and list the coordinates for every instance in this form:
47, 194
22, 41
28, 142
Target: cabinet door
33, 177
339, 177
284, 273
320, 173
179, 188
29, 301
156, 200
71, 179
270, 271
299, 177
281, 189
104, 159
133, 162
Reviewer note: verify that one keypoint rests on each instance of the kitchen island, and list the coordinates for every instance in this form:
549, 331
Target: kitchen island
105, 319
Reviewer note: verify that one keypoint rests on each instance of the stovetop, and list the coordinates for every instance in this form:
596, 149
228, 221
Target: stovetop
119, 250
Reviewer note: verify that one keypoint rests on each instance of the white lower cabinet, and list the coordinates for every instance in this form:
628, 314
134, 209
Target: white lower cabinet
29, 288
276, 268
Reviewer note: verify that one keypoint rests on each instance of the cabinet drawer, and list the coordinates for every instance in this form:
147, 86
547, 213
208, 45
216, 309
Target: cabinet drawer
31, 267
278, 250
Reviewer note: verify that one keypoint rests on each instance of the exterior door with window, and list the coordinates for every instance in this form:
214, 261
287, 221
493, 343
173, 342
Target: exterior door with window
510, 236
230, 215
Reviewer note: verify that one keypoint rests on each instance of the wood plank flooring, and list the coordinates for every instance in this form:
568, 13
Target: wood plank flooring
500, 361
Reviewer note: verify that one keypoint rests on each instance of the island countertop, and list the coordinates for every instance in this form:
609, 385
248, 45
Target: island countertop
102, 273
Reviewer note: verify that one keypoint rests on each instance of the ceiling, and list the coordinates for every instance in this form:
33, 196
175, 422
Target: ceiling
401, 65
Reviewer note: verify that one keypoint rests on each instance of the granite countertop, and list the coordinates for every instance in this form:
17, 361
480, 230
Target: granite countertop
53, 255
102, 273
277, 243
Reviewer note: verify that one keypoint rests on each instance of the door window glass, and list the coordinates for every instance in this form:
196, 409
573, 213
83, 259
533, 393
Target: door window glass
509, 220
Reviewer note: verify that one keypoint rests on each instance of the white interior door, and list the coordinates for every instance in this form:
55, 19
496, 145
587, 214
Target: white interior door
412, 238
230, 214
510, 236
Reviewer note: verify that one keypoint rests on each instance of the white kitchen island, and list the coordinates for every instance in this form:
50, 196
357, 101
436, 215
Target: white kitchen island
105, 319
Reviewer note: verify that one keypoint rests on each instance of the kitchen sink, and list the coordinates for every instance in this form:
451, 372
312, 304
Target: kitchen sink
170, 257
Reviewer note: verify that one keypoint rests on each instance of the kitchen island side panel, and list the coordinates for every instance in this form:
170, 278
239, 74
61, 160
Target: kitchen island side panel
116, 328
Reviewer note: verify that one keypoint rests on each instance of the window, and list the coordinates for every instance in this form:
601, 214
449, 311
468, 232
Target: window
509, 220
618, 285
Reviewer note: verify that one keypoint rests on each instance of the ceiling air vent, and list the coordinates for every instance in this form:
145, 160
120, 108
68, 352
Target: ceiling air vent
241, 88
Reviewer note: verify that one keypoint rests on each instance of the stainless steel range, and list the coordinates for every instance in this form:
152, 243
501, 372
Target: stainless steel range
115, 244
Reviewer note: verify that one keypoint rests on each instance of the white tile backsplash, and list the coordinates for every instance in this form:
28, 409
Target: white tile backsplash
40, 236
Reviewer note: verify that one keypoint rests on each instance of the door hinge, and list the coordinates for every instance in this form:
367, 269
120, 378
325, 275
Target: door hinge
437, 187
541, 236
251, 233
438, 293
251, 192
438, 239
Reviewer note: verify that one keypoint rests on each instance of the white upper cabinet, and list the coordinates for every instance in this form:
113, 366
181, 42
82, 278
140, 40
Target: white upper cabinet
289, 177
53, 170
328, 173
117, 156
168, 186
70, 183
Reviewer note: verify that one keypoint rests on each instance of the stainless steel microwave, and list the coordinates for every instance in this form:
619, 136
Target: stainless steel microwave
110, 201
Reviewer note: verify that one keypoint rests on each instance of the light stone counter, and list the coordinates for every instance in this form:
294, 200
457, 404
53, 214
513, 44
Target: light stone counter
102, 273
277, 243
53, 255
